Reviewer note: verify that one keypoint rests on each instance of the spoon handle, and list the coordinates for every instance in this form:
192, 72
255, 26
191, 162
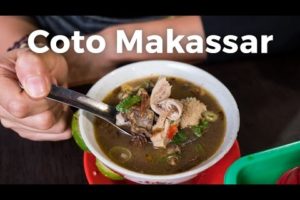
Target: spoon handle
81, 101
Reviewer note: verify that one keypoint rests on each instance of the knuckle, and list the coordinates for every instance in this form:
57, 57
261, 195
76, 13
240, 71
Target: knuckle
61, 126
33, 136
45, 120
18, 109
67, 135
22, 135
29, 136
5, 123
63, 136
28, 55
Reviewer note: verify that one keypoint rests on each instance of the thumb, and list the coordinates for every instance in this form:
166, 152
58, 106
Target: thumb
32, 72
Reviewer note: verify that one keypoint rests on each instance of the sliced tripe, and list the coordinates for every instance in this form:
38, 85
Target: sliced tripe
171, 106
167, 109
161, 91
161, 103
192, 112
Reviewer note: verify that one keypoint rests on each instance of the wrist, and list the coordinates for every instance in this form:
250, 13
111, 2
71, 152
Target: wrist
75, 65
23, 43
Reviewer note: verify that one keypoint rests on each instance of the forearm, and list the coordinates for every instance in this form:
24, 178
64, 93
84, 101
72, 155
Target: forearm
186, 25
88, 67
12, 29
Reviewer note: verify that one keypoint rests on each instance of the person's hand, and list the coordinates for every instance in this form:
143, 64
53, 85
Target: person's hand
26, 111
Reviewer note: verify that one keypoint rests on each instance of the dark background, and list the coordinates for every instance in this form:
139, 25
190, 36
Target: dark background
267, 91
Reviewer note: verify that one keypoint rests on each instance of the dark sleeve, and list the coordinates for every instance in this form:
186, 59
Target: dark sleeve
285, 29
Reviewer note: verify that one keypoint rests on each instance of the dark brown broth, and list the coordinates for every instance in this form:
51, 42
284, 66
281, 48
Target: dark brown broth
152, 161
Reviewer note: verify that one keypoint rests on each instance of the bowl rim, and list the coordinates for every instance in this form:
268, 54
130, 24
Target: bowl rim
191, 172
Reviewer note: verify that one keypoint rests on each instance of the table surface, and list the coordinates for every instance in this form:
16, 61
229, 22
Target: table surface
267, 91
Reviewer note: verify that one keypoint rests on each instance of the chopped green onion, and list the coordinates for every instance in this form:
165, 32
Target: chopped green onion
172, 159
200, 128
120, 154
180, 137
127, 103
210, 116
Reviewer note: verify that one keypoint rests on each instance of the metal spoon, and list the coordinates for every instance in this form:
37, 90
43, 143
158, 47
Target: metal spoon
81, 101
98, 108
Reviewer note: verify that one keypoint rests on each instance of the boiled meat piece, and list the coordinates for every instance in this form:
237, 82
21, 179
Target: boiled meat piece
167, 109
141, 122
122, 120
172, 107
161, 91
159, 133
145, 99
161, 103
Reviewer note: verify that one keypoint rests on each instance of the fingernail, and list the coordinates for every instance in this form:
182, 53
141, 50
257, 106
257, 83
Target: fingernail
35, 86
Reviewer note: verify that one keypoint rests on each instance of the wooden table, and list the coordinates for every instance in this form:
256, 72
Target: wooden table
267, 92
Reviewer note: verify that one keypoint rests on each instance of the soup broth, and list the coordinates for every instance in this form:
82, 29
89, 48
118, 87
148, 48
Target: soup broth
149, 160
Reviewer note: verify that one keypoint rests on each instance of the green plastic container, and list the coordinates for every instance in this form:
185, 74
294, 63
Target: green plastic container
264, 167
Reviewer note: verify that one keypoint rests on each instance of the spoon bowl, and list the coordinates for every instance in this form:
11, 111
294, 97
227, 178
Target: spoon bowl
81, 101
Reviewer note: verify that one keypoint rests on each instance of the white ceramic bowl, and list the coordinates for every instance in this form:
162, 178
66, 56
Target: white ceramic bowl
155, 68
